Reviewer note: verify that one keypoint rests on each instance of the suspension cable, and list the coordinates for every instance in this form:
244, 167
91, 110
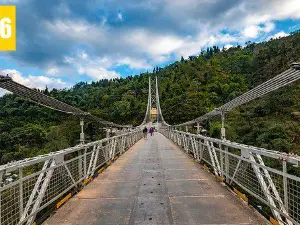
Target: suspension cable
7, 83
287, 77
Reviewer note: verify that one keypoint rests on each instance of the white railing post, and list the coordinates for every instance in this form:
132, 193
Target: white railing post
198, 128
267, 187
80, 161
285, 186
221, 160
223, 135
20, 191
84, 161
201, 149
82, 138
226, 164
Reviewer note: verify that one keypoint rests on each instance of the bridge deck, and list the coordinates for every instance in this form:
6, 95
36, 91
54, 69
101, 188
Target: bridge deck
155, 183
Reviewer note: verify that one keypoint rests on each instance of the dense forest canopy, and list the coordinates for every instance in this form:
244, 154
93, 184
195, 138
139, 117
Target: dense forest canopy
188, 89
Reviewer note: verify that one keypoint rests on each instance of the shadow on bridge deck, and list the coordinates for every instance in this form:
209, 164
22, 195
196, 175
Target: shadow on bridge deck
155, 183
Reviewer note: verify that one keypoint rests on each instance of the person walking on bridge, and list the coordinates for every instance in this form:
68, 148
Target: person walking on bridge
151, 131
145, 131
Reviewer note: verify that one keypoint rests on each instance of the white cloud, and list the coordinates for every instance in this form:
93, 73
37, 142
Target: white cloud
53, 70
136, 47
68, 59
39, 82
77, 31
162, 58
151, 43
192, 46
228, 46
134, 63
278, 35
120, 16
172, 27
268, 27
82, 60
253, 31
159, 47
103, 21
94, 68
83, 55
98, 73
3, 92
284, 9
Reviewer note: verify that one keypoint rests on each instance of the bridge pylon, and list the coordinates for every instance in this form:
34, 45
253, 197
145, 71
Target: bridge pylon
153, 115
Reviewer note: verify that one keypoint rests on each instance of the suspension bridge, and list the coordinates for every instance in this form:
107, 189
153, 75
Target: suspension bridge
172, 177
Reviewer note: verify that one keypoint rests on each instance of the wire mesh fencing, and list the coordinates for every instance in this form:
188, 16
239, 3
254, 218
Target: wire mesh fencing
271, 179
31, 185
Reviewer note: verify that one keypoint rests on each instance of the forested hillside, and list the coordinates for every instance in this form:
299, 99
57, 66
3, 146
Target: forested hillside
188, 89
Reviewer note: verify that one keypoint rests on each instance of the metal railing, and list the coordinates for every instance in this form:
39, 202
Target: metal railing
271, 178
31, 185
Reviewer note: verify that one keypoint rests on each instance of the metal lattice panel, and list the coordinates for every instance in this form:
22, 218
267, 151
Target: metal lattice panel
261, 173
41, 181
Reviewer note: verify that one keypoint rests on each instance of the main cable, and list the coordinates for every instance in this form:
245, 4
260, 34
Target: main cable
287, 77
7, 83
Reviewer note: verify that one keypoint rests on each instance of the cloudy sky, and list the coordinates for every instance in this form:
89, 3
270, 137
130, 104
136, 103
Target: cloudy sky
61, 42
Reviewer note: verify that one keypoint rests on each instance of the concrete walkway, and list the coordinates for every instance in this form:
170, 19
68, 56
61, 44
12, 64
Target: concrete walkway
155, 182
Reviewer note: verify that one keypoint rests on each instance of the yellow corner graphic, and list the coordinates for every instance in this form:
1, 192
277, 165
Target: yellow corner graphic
7, 28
